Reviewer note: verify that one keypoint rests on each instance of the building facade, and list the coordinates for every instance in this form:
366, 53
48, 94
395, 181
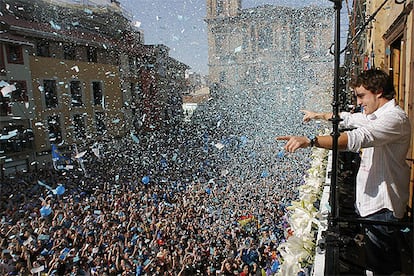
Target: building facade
79, 73
267, 44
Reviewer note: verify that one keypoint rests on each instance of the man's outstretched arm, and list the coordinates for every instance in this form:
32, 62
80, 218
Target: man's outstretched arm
295, 142
310, 115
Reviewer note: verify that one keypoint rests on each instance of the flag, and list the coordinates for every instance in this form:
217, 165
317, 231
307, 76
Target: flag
59, 161
243, 220
56, 156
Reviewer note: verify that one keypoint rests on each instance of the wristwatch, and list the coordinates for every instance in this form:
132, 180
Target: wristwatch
313, 140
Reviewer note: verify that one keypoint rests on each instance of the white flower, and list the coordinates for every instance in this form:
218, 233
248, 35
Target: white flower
299, 249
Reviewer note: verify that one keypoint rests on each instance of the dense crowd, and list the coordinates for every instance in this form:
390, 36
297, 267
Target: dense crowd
199, 213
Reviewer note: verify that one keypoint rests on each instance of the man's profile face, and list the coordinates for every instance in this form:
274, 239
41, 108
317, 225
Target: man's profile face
368, 100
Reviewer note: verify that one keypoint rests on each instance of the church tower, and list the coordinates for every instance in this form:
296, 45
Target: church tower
223, 8
265, 45
220, 36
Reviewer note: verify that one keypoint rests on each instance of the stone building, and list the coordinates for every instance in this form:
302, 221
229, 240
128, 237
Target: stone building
268, 44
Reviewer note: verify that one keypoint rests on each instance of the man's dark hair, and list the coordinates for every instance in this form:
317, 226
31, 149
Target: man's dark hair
376, 81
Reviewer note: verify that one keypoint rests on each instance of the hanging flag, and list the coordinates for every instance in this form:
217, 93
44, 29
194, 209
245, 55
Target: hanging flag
60, 162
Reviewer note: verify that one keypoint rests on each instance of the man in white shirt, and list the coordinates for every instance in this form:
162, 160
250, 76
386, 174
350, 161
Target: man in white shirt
382, 132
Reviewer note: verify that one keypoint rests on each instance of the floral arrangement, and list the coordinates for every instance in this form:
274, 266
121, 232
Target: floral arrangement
298, 251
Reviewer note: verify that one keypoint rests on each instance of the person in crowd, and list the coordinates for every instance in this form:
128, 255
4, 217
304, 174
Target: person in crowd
382, 134
184, 219
246, 270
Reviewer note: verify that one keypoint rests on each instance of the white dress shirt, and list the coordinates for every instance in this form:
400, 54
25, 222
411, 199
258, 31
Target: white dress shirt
384, 175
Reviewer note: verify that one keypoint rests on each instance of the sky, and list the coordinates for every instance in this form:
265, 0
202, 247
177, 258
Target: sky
179, 24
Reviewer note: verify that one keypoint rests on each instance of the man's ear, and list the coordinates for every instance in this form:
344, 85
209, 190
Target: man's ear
379, 94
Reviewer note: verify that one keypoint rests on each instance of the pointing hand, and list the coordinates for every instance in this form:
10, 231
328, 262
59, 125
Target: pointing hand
294, 142
308, 115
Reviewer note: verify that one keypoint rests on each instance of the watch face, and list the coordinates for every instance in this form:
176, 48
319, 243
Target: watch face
312, 140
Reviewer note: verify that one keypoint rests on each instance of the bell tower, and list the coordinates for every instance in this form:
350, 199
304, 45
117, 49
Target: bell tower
223, 8
221, 35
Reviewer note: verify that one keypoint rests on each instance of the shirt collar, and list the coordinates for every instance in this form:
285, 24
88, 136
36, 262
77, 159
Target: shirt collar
382, 109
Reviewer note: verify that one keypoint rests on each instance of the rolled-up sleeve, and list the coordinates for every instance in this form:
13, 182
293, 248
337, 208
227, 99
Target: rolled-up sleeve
376, 132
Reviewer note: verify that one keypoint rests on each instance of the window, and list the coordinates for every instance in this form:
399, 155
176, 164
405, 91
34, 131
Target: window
283, 43
100, 123
14, 54
219, 41
264, 73
245, 43
136, 89
76, 93
131, 62
251, 75
69, 52
4, 105
2, 62
20, 94
220, 7
55, 131
139, 37
253, 37
132, 89
79, 126
97, 93
50, 92
276, 43
265, 38
310, 42
222, 76
92, 54
43, 49
395, 62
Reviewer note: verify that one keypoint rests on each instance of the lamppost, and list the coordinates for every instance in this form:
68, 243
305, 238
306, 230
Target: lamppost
332, 248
